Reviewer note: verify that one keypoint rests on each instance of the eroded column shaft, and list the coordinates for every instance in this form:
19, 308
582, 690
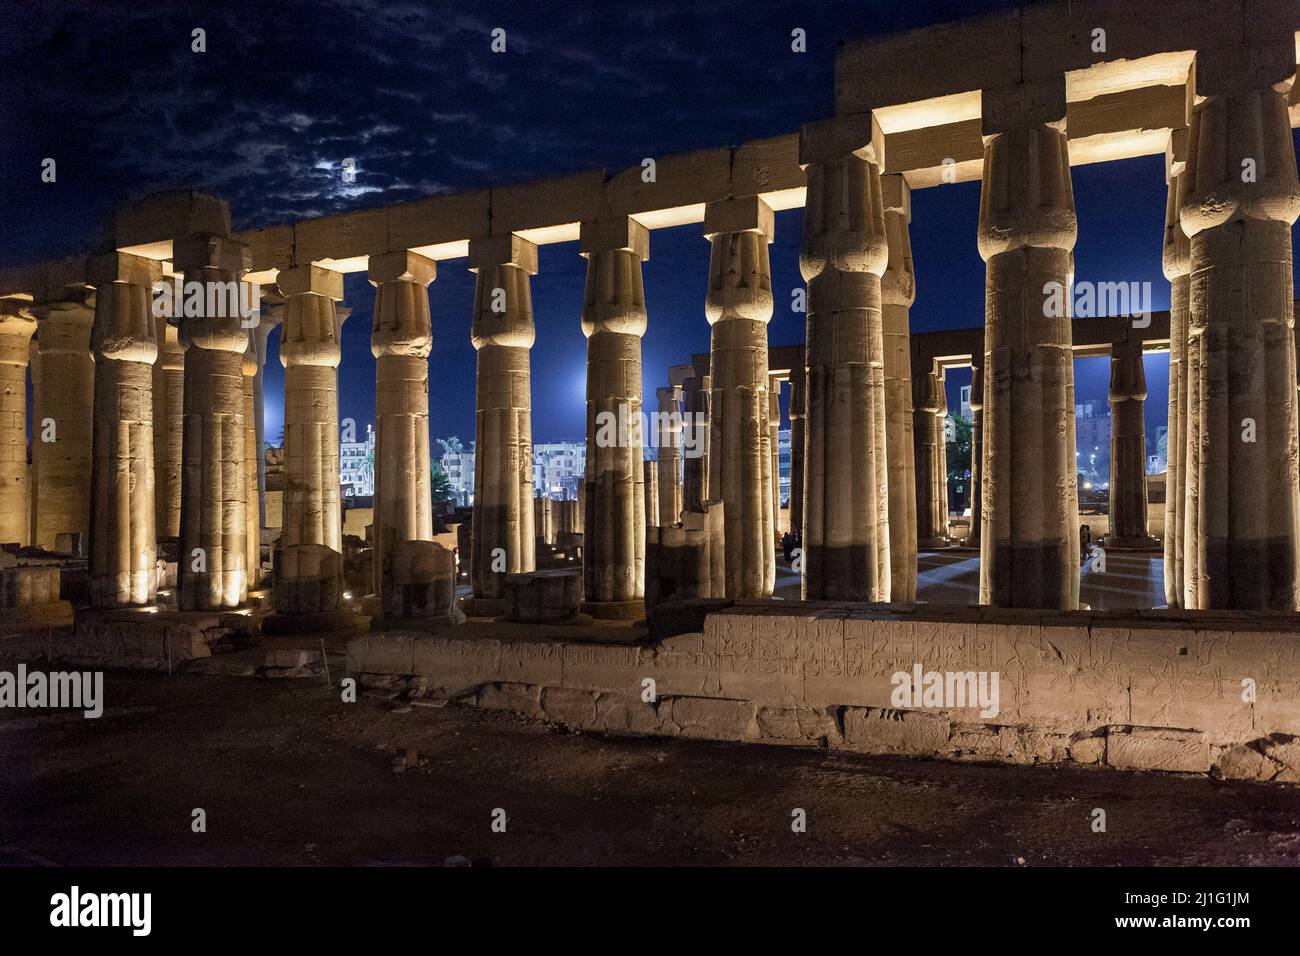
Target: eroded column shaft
668, 471
1029, 542
168, 431
64, 395
614, 319
401, 339
503, 333
931, 499
213, 571
16, 327
976, 449
898, 292
738, 306
846, 549
1242, 539
122, 556
252, 508
1128, 446
1176, 264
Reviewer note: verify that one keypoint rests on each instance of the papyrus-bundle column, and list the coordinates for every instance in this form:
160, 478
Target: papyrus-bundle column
774, 450
843, 255
252, 508
798, 435
738, 306
613, 320
63, 399
123, 547
976, 449
1241, 546
16, 327
503, 334
310, 353
400, 339
931, 499
1029, 543
1176, 260
168, 429
898, 292
213, 569
1128, 447
669, 464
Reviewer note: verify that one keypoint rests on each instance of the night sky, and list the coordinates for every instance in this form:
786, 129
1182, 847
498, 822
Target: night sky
412, 92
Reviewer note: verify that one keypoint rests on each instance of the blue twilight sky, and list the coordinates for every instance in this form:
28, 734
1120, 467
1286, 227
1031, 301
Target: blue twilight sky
287, 90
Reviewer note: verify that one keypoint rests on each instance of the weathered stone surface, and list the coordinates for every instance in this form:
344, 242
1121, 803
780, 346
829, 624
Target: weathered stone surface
542, 597
797, 723
882, 731
1243, 762
711, 718
626, 713
564, 705
521, 698
1156, 748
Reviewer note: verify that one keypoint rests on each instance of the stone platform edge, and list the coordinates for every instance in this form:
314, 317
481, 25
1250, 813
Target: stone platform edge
1144, 691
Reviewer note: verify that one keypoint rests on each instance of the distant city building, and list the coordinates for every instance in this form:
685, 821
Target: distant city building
459, 468
357, 466
1092, 440
558, 468
783, 459
964, 403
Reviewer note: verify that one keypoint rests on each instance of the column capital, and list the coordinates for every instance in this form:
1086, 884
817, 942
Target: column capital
108, 267
743, 214
310, 279
834, 139
401, 266
508, 250
620, 233
207, 251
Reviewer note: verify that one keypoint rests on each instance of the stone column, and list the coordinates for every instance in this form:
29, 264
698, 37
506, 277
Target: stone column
310, 353
503, 334
1128, 448
976, 449
63, 398
168, 430
213, 568
400, 339
774, 445
613, 320
695, 480
252, 502
797, 439
123, 550
16, 327
1243, 510
1030, 541
931, 408
669, 469
1176, 265
898, 292
738, 306
842, 258
651, 486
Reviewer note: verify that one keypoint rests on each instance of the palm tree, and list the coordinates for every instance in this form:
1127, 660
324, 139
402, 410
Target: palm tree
439, 485
451, 446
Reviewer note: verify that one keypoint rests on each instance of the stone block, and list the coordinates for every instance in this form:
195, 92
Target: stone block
565, 705
882, 731
543, 597
1158, 748
797, 723
626, 713
521, 698
712, 718
1243, 762
307, 579
421, 580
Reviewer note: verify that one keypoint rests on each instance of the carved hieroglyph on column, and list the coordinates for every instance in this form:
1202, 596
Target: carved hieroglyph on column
738, 306
213, 569
401, 337
1176, 264
931, 500
168, 430
844, 253
898, 292
16, 327
1241, 543
650, 484
503, 334
1128, 448
309, 352
1029, 543
668, 470
613, 320
695, 428
774, 449
63, 401
123, 547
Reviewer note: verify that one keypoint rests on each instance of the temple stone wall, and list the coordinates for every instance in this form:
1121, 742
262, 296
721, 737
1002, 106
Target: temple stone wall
1140, 691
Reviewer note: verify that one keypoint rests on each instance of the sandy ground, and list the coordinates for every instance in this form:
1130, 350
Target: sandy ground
289, 775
